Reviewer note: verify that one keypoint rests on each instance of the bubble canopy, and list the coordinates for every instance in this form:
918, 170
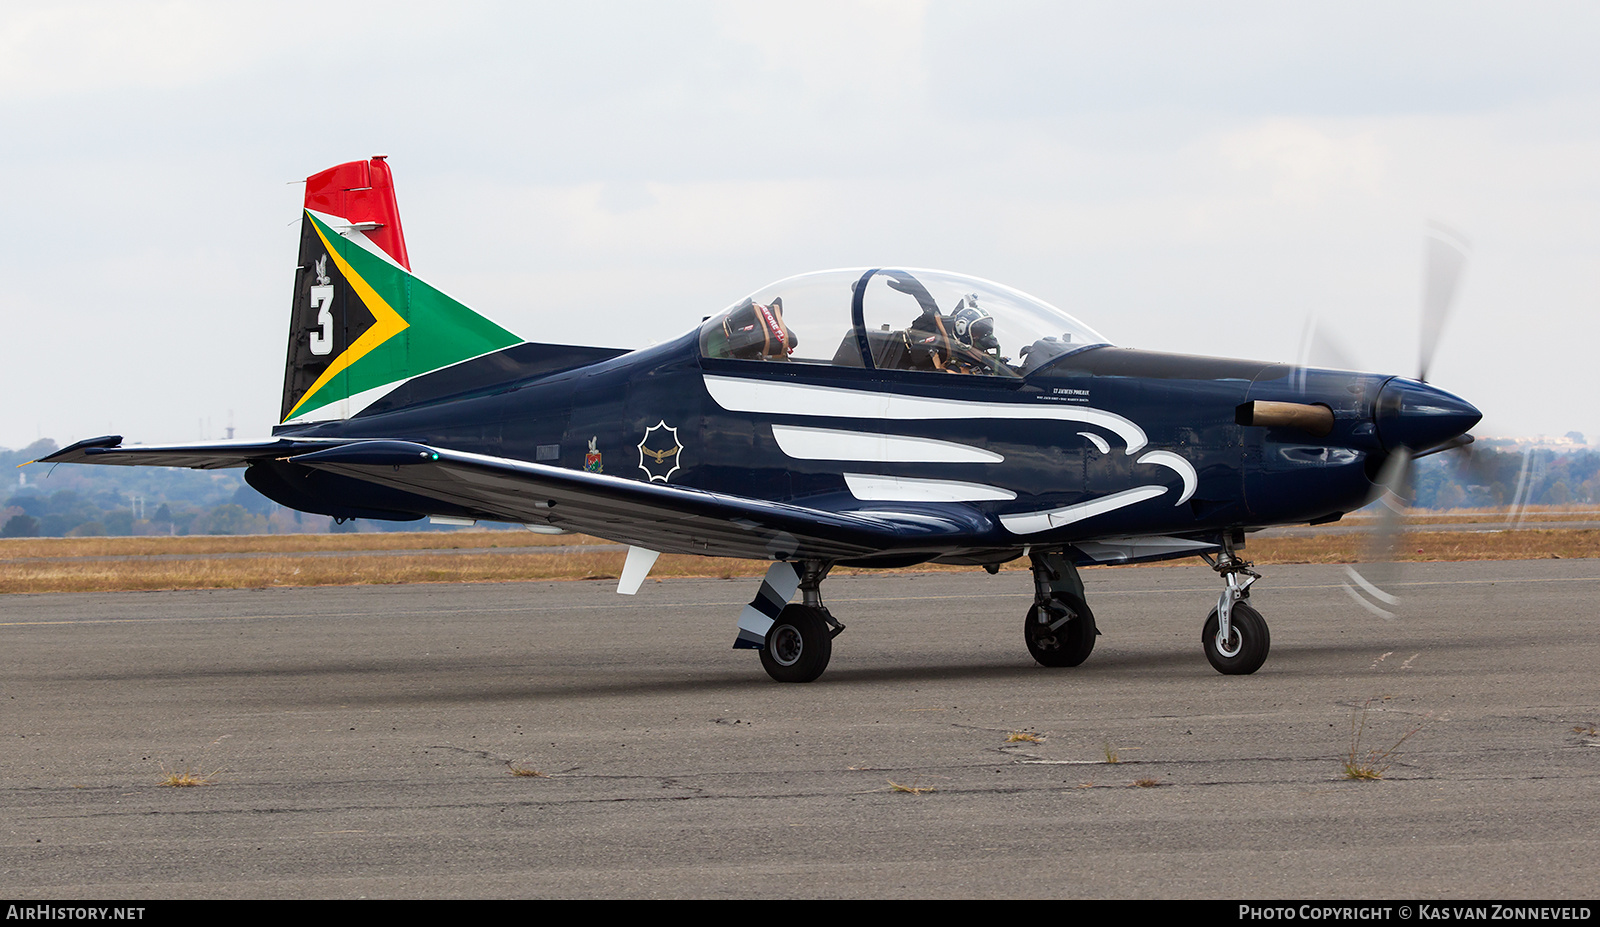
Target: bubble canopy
896, 319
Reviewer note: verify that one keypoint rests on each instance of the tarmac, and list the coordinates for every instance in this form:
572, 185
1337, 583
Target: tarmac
361, 742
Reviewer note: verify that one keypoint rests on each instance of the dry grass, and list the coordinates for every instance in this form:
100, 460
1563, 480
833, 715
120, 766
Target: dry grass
1526, 544
1111, 753
1366, 764
186, 778
910, 789
1536, 513
355, 569
1147, 782
36, 565
526, 772
285, 543
1024, 737
1362, 773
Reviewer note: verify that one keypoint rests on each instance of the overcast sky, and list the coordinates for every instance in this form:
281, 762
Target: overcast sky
1202, 178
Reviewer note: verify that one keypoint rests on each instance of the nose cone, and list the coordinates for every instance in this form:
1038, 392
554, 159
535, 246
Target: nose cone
1418, 416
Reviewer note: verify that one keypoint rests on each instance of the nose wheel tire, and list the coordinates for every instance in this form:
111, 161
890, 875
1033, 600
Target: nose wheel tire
1068, 645
798, 646
1247, 644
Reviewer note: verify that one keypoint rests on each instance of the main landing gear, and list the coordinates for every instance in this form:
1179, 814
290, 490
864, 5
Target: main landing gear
800, 641
1059, 628
1235, 635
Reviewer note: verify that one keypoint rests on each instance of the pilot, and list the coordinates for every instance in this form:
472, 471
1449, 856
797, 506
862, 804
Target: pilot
974, 327
927, 344
753, 331
976, 349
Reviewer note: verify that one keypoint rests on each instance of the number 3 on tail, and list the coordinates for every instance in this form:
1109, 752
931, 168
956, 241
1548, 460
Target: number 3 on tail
322, 299
322, 338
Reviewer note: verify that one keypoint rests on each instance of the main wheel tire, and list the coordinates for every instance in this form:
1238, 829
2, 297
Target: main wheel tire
798, 645
1068, 645
1247, 645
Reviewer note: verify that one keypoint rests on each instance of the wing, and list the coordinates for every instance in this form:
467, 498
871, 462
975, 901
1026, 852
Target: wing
660, 517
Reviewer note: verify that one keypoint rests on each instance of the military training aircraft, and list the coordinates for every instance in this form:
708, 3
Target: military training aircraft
877, 417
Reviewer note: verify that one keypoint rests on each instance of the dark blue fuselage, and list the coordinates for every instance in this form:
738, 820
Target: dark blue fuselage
1042, 458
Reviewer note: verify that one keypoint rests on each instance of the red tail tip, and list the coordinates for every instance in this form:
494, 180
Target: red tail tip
362, 192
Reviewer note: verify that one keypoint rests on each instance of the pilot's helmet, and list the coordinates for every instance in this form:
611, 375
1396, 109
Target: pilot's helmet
757, 332
974, 326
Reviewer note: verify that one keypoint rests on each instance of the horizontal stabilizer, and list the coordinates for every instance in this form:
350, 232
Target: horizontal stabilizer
215, 455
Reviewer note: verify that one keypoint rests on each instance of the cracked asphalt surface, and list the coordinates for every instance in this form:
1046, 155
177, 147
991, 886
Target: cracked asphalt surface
362, 742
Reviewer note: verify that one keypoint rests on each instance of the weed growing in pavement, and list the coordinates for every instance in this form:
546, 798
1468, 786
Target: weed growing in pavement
186, 778
1365, 763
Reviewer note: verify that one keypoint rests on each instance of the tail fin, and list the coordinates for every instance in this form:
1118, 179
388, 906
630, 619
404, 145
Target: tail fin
362, 323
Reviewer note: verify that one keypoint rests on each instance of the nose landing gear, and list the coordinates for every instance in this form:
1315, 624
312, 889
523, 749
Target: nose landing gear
1235, 636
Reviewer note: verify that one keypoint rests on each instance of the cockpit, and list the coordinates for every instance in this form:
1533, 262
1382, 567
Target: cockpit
891, 319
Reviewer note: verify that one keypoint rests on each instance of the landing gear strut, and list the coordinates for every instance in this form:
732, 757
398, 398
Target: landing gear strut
800, 642
1235, 635
1059, 628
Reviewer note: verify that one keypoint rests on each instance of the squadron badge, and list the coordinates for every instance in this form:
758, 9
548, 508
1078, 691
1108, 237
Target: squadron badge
591, 460
658, 452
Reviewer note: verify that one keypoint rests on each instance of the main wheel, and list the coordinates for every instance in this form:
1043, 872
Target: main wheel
798, 645
1067, 645
1247, 645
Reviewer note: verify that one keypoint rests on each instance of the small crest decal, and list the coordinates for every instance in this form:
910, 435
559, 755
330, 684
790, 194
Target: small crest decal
591, 460
658, 452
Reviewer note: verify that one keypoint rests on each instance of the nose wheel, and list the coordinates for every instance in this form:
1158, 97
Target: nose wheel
1244, 649
1235, 636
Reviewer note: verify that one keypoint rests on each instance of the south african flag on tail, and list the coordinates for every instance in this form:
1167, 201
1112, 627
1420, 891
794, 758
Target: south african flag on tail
363, 325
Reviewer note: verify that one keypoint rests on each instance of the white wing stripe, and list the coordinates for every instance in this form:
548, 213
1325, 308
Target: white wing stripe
870, 488
1184, 468
769, 397
805, 443
1035, 522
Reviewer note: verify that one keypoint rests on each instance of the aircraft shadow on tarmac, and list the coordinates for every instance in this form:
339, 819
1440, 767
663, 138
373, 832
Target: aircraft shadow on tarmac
430, 680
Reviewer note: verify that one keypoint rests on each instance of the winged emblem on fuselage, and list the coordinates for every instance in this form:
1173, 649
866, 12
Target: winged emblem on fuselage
658, 452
